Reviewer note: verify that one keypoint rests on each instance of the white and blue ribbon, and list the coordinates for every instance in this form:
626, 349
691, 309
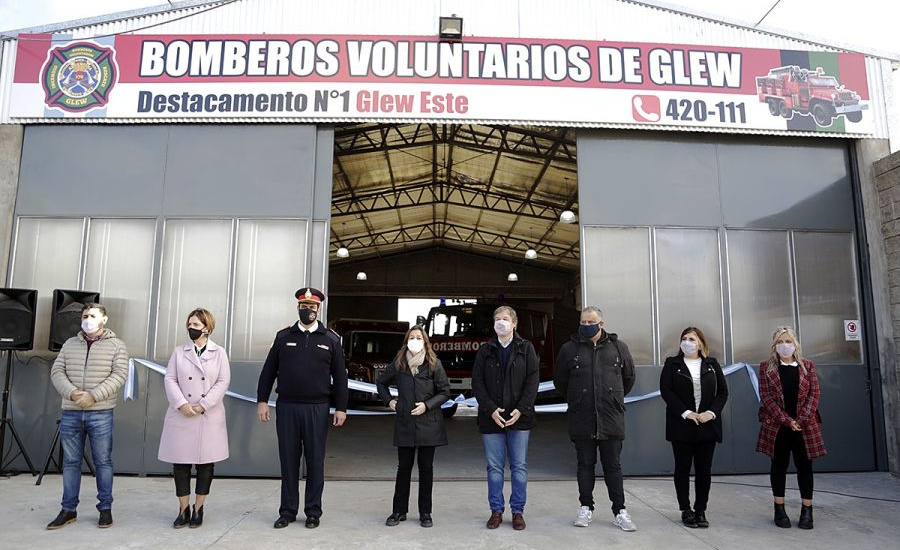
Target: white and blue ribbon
130, 390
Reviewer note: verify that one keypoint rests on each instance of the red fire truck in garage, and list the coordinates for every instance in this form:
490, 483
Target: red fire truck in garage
457, 331
369, 345
788, 90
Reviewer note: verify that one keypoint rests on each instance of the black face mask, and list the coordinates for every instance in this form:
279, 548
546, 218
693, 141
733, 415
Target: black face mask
307, 316
194, 334
588, 331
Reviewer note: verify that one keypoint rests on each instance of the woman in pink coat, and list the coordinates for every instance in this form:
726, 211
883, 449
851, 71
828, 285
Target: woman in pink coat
194, 431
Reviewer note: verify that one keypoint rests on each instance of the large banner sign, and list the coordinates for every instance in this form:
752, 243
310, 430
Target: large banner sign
342, 78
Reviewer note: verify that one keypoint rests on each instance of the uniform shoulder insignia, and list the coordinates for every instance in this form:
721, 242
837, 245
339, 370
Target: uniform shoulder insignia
333, 335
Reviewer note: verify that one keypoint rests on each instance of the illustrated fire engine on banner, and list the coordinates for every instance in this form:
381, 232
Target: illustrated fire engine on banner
788, 90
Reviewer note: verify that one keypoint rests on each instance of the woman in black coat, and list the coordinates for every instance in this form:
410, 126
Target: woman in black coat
422, 387
693, 387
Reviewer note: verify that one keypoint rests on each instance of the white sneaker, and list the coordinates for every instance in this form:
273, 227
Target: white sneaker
623, 521
584, 517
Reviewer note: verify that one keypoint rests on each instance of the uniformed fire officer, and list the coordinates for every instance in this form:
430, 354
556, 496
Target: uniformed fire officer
307, 360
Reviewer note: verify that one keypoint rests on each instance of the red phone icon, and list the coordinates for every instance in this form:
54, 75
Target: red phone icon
645, 108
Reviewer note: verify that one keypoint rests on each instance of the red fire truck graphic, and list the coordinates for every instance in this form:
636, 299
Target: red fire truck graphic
788, 90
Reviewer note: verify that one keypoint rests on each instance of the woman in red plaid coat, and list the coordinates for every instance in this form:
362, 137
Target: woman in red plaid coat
789, 421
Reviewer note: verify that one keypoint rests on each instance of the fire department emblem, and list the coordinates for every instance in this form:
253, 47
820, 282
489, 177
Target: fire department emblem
78, 77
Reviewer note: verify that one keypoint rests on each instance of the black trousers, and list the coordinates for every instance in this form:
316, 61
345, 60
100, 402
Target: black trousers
406, 456
182, 473
789, 442
302, 429
586, 451
701, 456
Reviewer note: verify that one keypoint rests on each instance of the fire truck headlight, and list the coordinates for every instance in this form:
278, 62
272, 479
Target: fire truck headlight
834, 96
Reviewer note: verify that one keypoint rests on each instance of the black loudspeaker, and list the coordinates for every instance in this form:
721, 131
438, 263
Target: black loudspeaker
17, 309
65, 317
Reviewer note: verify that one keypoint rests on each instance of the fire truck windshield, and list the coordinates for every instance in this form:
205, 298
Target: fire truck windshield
827, 81
376, 343
478, 321
462, 322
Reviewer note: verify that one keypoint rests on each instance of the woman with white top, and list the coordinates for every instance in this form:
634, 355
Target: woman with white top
693, 386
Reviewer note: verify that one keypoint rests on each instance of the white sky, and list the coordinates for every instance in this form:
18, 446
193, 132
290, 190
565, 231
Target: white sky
871, 24
868, 23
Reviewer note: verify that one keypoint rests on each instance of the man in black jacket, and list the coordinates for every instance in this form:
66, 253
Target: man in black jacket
505, 382
308, 362
594, 372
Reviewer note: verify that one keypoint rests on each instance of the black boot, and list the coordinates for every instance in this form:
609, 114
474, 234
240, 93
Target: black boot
781, 517
806, 520
183, 518
688, 519
64, 518
197, 517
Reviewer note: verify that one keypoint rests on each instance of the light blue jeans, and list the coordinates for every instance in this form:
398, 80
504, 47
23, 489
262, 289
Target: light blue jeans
98, 427
512, 445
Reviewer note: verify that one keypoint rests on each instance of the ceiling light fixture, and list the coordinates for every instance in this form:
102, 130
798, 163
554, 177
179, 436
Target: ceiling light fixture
530, 254
567, 216
512, 277
361, 276
342, 252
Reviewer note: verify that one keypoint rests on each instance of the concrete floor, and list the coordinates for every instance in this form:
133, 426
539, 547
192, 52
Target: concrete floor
857, 511
363, 449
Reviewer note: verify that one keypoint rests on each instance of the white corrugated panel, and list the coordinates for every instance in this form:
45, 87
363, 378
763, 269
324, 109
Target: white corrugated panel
612, 20
879, 72
7, 63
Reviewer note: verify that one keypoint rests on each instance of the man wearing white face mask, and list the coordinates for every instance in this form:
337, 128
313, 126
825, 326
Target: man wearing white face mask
505, 381
88, 372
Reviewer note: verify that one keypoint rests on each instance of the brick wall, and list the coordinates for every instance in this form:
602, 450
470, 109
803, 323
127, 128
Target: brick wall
886, 173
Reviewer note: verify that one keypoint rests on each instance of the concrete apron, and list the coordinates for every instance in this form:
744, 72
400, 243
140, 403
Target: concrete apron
240, 512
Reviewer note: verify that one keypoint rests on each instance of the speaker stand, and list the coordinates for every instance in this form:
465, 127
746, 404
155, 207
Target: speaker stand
59, 461
7, 422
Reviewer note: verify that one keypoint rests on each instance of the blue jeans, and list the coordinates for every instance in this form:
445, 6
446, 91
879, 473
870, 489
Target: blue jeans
98, 427
511, 444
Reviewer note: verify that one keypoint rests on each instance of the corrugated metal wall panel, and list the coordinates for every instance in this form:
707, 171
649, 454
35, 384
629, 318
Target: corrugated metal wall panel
891, 89
612, 20
7, 63
875, 68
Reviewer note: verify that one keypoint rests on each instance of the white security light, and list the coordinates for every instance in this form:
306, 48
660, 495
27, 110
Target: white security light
567, 216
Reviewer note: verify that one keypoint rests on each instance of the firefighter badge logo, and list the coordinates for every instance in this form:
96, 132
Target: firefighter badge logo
78, 77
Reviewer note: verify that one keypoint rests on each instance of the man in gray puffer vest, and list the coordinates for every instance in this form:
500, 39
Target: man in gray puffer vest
88, 373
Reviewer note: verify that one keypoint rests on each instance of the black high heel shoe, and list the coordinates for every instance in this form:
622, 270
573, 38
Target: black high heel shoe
197, 517
184, 517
